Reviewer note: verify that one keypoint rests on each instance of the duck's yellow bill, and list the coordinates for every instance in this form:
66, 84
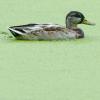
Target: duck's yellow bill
88, 22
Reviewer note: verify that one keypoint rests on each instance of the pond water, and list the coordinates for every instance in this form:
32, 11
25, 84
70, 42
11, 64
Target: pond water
49, 70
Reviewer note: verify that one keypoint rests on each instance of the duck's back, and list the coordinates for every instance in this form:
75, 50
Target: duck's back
40, 32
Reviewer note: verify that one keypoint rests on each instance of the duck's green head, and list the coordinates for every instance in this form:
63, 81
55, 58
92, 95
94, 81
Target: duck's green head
74, 18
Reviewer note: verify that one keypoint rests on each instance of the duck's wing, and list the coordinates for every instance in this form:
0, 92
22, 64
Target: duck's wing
54, 27
25, 29
22, 29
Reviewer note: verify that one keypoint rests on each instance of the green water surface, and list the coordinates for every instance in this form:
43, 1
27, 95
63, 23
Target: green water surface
49, 70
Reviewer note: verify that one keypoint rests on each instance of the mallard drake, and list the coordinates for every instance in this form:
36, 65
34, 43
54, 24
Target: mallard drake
52, 31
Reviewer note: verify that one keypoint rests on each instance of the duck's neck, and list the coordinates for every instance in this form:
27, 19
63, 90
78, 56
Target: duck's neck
70, 25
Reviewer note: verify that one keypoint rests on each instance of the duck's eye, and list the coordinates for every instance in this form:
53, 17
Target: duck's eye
76, 15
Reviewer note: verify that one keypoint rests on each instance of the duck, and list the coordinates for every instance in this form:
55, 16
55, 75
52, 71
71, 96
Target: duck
36, 31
